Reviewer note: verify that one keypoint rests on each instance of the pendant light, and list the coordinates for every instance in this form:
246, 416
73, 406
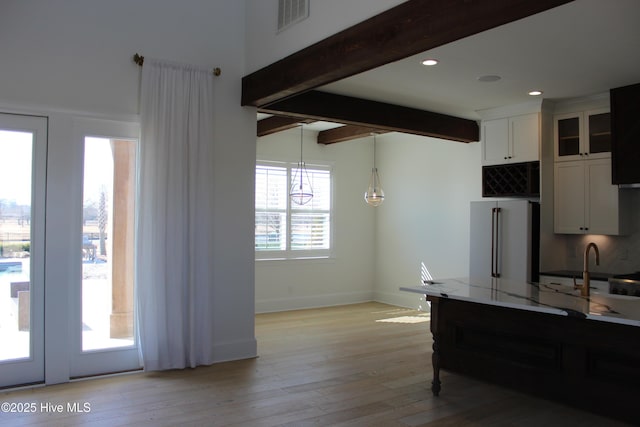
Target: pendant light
301, 192
374, 195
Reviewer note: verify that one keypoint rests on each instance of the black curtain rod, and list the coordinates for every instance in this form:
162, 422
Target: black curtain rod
139, 59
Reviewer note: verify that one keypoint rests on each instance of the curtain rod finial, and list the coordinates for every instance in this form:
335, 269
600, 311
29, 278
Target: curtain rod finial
138, 59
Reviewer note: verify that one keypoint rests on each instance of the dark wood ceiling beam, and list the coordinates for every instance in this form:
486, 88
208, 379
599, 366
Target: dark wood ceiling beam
410, 28
361, 112
274, 124
345, 133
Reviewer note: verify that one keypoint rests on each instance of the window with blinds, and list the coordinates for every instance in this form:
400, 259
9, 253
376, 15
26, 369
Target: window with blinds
283, 229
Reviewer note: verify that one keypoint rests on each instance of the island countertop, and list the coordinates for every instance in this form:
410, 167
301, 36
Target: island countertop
561, 300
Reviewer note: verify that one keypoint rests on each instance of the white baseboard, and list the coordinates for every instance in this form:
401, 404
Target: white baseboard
235, 350
312, 301
402, 299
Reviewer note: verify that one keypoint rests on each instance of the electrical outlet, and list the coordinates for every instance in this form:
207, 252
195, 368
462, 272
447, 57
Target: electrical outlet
573, 251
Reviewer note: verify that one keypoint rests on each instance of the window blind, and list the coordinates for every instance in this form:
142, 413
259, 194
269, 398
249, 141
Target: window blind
284, 229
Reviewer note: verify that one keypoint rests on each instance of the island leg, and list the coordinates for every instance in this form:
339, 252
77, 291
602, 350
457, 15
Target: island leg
435, 361
435, 357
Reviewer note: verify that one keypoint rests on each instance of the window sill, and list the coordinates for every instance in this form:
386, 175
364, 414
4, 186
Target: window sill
308, 259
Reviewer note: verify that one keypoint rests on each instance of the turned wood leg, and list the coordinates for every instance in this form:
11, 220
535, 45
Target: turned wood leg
435, 361
435, 356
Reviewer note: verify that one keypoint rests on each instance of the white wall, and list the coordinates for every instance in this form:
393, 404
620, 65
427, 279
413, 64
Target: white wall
428, 185
74, 57
347, 277
326, 17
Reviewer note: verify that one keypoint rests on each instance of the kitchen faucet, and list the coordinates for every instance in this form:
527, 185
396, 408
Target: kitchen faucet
584, 287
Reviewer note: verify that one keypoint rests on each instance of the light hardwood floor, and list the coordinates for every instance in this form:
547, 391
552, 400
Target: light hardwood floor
356, 365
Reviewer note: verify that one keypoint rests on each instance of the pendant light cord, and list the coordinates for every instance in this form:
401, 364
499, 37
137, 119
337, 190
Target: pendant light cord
301, 137
301, 165
374, 150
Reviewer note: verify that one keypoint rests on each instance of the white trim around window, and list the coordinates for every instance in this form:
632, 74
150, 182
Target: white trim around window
284, 230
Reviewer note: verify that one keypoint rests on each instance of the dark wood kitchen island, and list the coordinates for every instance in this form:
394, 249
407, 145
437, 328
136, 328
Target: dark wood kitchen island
546, 340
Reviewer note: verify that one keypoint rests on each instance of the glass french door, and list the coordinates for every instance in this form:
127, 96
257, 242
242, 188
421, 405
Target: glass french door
23, 151
103, 336
67, 271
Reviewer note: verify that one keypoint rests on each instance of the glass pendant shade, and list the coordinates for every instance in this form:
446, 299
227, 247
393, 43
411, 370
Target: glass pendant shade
374, 195
301, 192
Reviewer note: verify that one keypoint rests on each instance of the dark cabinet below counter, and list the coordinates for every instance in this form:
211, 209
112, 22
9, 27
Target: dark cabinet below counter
625, 134
589, 364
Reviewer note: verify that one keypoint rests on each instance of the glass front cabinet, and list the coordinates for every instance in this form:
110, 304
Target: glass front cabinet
582, 135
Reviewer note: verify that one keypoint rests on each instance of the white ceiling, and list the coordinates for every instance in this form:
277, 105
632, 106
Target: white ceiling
579, 49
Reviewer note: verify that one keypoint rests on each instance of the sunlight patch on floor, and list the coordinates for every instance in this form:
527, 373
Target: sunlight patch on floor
407, 319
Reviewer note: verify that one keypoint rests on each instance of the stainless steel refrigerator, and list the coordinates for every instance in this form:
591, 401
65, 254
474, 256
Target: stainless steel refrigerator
505, 240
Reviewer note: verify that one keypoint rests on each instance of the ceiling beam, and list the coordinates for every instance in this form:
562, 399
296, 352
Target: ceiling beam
345, 133
274, 124
408, 29
372, 114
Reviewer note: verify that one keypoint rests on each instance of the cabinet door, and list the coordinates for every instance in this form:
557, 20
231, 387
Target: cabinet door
582, 135
625, 156
569, 197
525, 132
585, 201
601, 199
598, 134
568, 134
495, 141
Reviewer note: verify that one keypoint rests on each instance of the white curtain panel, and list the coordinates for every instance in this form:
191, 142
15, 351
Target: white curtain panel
174, 222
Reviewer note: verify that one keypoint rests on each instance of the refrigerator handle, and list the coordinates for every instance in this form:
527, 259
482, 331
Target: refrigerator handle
495, 241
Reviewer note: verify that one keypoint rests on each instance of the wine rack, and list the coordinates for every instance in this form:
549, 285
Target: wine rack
511, 180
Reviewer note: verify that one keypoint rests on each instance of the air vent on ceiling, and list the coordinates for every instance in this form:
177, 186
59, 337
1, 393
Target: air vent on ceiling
291, 12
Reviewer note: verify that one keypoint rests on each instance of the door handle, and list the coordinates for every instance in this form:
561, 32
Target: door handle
495, 241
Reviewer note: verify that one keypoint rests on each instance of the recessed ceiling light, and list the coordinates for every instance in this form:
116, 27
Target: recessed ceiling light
429, 62
535, 93
489, 78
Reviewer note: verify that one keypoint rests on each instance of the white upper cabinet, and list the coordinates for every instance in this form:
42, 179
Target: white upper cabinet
495, 141
511, 140
582, 135
585, 202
